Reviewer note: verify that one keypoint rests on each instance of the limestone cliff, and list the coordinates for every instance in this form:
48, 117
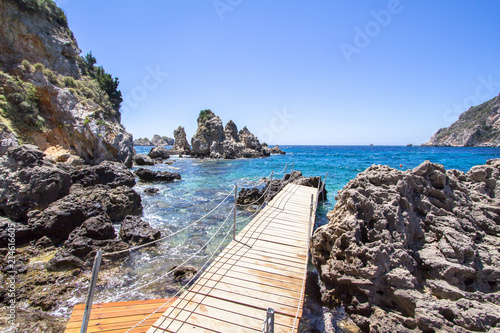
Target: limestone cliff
47, 95
477, 127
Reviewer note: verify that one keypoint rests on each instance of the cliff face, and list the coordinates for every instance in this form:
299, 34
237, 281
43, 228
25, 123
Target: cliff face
416, 250
45, 99
477, 127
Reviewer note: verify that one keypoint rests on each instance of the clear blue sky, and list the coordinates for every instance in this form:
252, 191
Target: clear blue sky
296, 72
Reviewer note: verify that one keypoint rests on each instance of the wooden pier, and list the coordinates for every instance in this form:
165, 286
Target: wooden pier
265, 267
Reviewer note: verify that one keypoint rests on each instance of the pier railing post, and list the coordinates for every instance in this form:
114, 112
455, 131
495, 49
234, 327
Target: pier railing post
234, 212
90, 296
311, 214
268, 326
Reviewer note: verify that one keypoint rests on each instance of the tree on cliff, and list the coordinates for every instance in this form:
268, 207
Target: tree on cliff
105, 80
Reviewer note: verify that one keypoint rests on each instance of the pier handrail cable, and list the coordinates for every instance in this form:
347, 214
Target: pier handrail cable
195, 276
188, 259
169, 235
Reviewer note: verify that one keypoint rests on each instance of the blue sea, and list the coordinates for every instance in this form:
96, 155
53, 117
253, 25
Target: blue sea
205, 183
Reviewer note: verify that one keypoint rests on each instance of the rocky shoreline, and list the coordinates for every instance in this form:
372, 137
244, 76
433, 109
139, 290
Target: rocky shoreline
416, 250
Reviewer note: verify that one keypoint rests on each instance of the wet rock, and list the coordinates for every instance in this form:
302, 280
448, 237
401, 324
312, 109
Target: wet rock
135, 231
28, 181
141, 159
65, 215
151, 191
112, 174
414, 250
251, 196
159, 153
156, 176
183, 274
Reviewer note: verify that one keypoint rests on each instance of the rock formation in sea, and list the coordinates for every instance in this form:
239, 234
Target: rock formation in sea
416, 250
215, 141
52, 97
181, 145
162, 141
141, 142
477, 127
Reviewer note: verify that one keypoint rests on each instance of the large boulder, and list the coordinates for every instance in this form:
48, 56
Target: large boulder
148, 175
95, 233
159, 153
416, 250
66, 214
135, 231
141, 159
231, 132
14, 233
112, 174
28, 181
181, 145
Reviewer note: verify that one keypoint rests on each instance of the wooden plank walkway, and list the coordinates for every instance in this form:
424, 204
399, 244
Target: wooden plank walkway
117, 317
264, 268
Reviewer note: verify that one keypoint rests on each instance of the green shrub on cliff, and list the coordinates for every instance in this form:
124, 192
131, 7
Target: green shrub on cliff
19, 105
205, 114
107, 83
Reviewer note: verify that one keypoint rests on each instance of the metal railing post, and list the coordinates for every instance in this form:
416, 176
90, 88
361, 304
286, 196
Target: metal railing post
292, 167
284, 173
310, 215
323, 186
90, 296
268, 326
234, 213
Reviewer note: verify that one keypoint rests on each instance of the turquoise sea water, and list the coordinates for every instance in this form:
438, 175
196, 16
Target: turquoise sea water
205, 183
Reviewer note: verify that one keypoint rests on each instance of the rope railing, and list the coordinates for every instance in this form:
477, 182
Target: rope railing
205, 245
195, 276
169, 235
188, 259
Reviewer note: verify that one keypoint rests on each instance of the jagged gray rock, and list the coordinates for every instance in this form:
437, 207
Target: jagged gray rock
159, 153
143, 142
63, 216
156, 176
181, 145
141, 159
209, 132
112, 174
135, 231
29, 181
416, 250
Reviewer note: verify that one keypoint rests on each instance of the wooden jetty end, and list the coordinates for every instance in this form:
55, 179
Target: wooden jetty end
118, 317
265, 267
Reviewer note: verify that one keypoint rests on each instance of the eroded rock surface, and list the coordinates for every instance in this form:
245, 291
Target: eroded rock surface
416, 250
156, 176
136, 231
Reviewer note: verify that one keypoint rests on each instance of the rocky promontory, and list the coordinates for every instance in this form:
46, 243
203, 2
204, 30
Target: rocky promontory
477, 127
416, 250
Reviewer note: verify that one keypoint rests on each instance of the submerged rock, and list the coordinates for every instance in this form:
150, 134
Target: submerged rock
135, 231
183, 274
414, 250
151, 191
156, 176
